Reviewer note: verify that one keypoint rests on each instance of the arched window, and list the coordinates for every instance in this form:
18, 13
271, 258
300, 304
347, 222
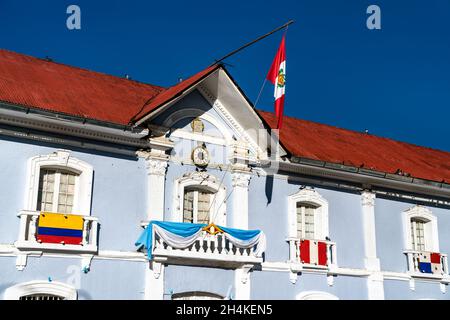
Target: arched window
59, 183
41, 290
308, 215
196, 295
56, 190
305, 220
199, 198
421, 232
57, 213
316, 295
197, 203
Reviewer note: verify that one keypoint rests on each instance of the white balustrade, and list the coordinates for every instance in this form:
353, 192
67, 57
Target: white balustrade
206, 247
28, 229
294, 254
413, 258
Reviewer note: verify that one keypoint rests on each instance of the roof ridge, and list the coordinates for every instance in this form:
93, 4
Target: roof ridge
361, 133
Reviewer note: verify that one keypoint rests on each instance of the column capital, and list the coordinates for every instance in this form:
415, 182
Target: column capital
368, 198
240, 179
156, 166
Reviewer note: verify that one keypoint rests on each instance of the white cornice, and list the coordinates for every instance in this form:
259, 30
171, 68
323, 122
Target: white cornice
69, 128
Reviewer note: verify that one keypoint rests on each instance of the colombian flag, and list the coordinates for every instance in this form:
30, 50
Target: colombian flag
60, 228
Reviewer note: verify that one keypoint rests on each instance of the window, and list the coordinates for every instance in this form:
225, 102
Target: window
418, 234
45, 297
199, 198
41, 290
316, 295
197, 206
420, 229
196, 295
56, 191
59, 183
305, 221
308, 215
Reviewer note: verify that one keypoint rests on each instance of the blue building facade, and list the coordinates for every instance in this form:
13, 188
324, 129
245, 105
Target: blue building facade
204, 155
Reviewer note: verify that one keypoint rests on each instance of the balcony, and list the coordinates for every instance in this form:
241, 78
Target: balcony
424, 264
316, 255
28, 240
209, 248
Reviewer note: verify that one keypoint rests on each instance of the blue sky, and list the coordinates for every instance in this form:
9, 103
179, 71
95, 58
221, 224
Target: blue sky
395, 82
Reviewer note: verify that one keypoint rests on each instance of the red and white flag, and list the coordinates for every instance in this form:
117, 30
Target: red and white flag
277, 75
313, 252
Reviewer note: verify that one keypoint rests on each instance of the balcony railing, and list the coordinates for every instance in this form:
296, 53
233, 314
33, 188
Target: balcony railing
208, 249
427, 264
28, 232
314, 259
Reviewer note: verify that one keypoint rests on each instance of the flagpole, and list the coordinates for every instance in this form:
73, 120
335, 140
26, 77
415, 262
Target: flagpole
252, 42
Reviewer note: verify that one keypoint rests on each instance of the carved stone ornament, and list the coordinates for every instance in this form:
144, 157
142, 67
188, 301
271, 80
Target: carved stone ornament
368, 198
197, 125
156, 167
240, 179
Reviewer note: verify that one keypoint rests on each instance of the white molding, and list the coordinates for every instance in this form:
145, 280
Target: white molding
72, 127
61, 159
204, 180
179, 115
375, 286
315, 295
154, 281
156, 170
198, 137
431, 227
21, 261
240, 184
230, 120
369, 230
40, 287
309, 196
242, 282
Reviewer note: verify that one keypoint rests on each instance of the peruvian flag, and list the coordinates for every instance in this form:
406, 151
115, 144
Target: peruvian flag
313, 252
277, 75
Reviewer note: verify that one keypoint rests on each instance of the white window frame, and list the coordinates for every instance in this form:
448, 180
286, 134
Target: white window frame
309, 196
430, 227
207, 182
197, 295
61, 160
40, 287
315, 295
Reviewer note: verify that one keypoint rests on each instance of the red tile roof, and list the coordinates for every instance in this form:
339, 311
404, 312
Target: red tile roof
173, 92
37, 83
41, 84
331, 144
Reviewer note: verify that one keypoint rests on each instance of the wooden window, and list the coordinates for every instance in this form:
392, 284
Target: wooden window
418, 234
305, 221
56, 191
197, 206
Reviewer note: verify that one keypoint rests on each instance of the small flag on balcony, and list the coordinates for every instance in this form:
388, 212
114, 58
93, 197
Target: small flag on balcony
60, 228
430, 262
313, 252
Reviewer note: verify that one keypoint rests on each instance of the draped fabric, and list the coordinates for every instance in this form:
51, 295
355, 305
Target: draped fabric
182, 235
